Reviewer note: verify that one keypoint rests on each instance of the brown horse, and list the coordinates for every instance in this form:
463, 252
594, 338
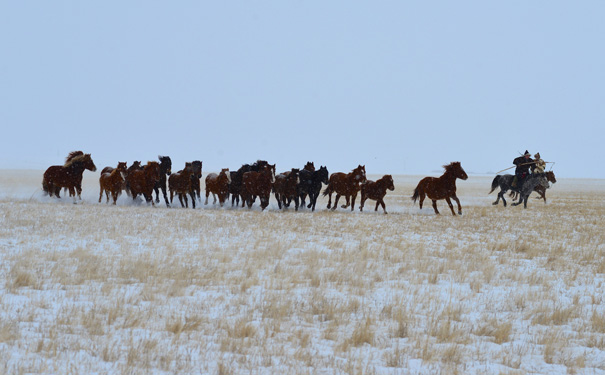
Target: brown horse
67, 176
165, 170
258, 184
443, 187
196, 169
112, 182
376, 191
286, 188
347, 184
218, 184
143, 181
180, 184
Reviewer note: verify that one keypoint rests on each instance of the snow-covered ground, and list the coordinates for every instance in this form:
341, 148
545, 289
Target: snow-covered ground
93, 288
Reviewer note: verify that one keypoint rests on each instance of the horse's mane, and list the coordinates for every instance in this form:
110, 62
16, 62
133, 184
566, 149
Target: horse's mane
450, 166
72, 155
75, 159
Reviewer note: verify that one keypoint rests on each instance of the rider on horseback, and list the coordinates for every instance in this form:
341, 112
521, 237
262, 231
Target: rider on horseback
523, 164
539, 164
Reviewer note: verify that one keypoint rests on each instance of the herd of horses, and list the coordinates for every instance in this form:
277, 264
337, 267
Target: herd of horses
259, 180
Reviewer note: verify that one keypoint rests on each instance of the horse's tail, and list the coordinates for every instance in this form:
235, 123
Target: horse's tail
327, 190
45, 186
416, 194
495, 183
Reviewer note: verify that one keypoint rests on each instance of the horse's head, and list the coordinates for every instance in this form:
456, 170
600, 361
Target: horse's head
323, 174
360, 173
225, 172
271, 169
165, 164
309, 166
196, 166
550, 176
88, 163
122, 169
135, 166
295, 175
389, 180
455, 168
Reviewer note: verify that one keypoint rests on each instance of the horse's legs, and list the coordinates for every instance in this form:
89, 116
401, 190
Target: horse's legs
296, 203
347, 202
449, 203
421, 201
165, 196
100, 195
362, 202
435, 206
207, 194
455, 197
213, 197
335, 202
106, 196
353, 197
192, 194
115, 196
329, 201
384, 207
157, 194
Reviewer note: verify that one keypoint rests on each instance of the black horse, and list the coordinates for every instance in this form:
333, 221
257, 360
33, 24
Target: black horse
310, 184
528, 185
165, 170
235, 187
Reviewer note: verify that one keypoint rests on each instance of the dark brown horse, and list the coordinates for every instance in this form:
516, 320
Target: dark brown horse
67, 176
376, 191
443, 187
143, 181
180, 184
165, 170
346, 184
196, 174
235, 187
258, 184
218, 184
112, 182
286, 188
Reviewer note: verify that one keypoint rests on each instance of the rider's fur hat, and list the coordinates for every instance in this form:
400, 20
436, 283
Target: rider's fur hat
527, 153
537, 155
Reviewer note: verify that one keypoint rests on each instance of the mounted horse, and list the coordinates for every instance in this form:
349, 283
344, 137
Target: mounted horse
67, 176
524, 190
310, 184
143, 181
180, 184
540, 189
443, 187
218, 184
112, 182
258, 184
345, 184
165, 170
286, 188
376, 191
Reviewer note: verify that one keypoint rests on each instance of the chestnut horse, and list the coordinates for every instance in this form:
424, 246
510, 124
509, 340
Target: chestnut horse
235, 187
67, 176
443, 187
286, 188
165, 170
143, 181
112, 182
347, 184
258, 184
218, 184
376, 191
180, 184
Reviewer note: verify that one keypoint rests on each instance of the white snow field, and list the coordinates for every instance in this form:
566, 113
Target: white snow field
93, 288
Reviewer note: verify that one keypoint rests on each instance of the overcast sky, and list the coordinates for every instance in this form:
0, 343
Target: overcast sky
400, 86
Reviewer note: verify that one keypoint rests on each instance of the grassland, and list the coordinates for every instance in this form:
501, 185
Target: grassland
131, 289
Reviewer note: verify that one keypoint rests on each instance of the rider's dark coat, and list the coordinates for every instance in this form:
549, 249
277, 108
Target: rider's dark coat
523, 166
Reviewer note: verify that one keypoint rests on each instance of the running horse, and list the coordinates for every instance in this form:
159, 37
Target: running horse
67, 176
112, 181
180, 184
311, 183
443, 187
346, 184
196, 174
165, 170
218, 184
143, 181
258, 184
286, 188
540, 189
376, 191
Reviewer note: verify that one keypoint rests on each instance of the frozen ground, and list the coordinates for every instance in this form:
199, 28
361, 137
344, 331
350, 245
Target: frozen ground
92, 288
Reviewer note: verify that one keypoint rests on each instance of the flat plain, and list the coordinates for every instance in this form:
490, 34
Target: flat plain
132, 289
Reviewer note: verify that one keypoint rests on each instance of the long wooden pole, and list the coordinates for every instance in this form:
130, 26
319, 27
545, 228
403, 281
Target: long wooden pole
533, 162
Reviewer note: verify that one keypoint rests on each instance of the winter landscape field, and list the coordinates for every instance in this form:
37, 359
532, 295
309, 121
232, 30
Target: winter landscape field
92, 288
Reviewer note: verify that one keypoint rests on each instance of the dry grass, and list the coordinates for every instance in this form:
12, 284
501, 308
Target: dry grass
133, 289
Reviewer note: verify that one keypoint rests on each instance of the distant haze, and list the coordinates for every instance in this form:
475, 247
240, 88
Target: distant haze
400, 87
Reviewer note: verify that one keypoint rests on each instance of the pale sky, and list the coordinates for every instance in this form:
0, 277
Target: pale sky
400, 86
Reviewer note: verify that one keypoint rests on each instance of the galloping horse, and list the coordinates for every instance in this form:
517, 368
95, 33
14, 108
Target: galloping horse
165, 170
235, 187
258, 184
135, 166
286, 188
443, 187
143, 181
68, 175
376, 191
218, 184
347, 184
180, 183
505, 183
196, 174
310, 184
528, 186
540, 189
112, 182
